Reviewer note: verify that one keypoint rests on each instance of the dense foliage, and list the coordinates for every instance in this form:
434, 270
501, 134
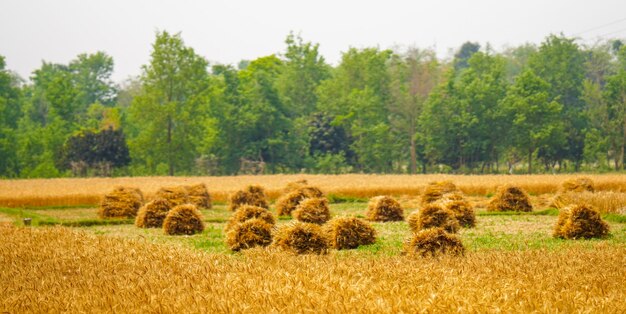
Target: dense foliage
559, 106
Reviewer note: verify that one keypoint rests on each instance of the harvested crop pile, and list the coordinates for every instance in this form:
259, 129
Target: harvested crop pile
433, 242
288, 202
252, 195
183, 219
248, 234
384, 208
247, 212
433, 216
580, 222
580, 184
292, 186
349, 233
510, 198
152, 214
199, 195
313, 210
435, 191
463, 212
176, 195
301, 238
122, 202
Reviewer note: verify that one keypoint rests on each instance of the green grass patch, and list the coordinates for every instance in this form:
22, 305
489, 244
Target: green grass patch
612, 217
337, 199
545, 212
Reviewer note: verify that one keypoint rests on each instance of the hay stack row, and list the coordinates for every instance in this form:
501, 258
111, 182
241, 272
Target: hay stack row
313, 232
175, 209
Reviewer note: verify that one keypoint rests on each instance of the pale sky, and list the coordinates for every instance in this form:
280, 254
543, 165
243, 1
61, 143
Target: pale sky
229, 31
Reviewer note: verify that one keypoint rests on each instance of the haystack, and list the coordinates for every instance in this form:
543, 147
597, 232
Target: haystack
288, 202
248, 234
433, 242
349, 233
580, 184
301, 238
176, 195
199, 196
433, 216
183, 219
252, 195
435, 191
292, 186
580, 222
247, 212
152, 214
122, 202
384, 208
510, 198
463, 212
313, 210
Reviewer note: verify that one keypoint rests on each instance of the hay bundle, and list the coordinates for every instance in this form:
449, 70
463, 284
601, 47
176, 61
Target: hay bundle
122, 202
152, 214
288, 202
313, 210
433, 216
433, 242
176, 195
248, 234
510, 198
301, 238
183, 219
199, 195
252, 195
463, 212
580, 221
349, 233
435, 191
292, 186
581, 184
247, 212
384, 208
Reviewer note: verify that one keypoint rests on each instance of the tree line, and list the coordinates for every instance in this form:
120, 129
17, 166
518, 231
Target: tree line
553, 107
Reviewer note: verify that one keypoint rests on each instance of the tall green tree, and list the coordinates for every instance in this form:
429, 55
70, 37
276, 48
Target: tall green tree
170, 112
560, 62
536, 120
615, 98
304, 69
10, 112
358, 96
413, 77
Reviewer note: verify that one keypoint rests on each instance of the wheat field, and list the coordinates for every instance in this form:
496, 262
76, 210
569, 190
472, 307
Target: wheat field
62, 270
71, 192
512, 263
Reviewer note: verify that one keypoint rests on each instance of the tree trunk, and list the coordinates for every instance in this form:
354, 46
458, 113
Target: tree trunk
530, 161
413, 165
170, 153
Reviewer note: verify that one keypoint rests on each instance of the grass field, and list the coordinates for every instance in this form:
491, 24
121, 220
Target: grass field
71, 261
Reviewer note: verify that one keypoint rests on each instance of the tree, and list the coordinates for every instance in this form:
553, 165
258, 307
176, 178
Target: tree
304, 69
561, 63
615, 98
536, 119
413, 76
170, 112
102, 150
10, 112
92, 80
462, 56
358, 97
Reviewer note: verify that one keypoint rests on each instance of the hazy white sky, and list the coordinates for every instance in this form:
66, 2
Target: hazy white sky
228, 31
